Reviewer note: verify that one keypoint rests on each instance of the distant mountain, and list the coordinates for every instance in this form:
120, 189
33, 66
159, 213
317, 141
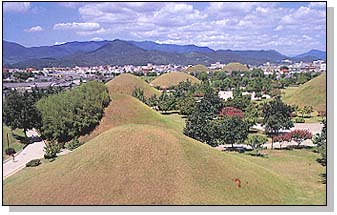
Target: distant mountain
311, 55
149, 45
14, 53
119, 52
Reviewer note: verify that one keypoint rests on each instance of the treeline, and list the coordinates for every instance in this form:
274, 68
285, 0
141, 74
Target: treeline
67, 115
19, 110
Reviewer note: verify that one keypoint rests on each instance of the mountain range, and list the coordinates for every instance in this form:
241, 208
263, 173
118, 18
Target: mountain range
120, 52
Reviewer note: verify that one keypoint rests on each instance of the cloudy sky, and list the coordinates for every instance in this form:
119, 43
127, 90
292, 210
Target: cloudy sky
290, 28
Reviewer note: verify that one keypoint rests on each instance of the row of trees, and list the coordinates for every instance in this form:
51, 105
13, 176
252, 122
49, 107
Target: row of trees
255, 80
19, 110
67, 115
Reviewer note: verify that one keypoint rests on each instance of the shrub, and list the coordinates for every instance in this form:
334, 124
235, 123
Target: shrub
51, 149
231, 111
300, 135
283, 138
73, 144
259, 120
299, 120
33, 163
256, 142
10, 151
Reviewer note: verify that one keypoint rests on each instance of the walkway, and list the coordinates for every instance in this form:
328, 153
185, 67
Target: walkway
32, 151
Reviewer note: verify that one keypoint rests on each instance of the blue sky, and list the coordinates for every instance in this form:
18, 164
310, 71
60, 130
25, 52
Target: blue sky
290, 28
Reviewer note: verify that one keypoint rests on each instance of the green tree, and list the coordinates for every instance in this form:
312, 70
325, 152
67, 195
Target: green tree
139, 94
152, 101
51, 149
20, 111
308, 110
203, 76
186, 105
320, 141
166, 102
256, 142
228, 130
276, 116
72, 113
251, 115
197, 123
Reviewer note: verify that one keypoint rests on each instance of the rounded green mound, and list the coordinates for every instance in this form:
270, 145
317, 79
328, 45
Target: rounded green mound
235, 67
312, 93
197, 68
143, 164
127, 83
173, 78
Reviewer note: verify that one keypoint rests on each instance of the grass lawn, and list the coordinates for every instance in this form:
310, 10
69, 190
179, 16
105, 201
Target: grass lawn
179, 119
312, 93
299, 168
313, 119
148, 79
13, 142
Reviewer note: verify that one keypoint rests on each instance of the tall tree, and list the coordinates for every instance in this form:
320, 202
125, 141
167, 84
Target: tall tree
228, 130
197, 123
20, 111
276, 116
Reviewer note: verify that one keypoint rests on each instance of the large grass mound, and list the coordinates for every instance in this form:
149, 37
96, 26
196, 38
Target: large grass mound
126, 84
138, 156
173, 78
144, 164
311, 93
197, 68
235, 67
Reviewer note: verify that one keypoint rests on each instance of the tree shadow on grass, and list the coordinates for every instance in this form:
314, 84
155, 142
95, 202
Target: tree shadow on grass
300, 147
323, 178
237, 149
258, 155
321, 161
283, 149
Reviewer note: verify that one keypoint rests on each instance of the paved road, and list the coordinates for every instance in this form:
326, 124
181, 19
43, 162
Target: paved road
32, 151
314, 128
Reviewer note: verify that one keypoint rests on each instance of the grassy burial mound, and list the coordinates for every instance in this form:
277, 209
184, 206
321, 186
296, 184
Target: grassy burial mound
173, 78
124, 109
235, 67
126, 84
197, 68
138, 156
311, 93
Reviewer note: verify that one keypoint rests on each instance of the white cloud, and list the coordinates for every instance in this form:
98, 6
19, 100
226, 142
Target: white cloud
34, 29
94, 32
96, 39
84, 26
71, 4
317, 5
17, 7
59, 43
220, 25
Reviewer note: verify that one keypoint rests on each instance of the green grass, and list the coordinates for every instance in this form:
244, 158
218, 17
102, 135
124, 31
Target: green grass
139, 156
197, 68
126, 84
173, 78
234, 66
13, 141
178, 119
147, 79
311, 93
300, 169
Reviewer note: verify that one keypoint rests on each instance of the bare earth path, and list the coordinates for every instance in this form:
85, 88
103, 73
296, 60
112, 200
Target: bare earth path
32, 151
